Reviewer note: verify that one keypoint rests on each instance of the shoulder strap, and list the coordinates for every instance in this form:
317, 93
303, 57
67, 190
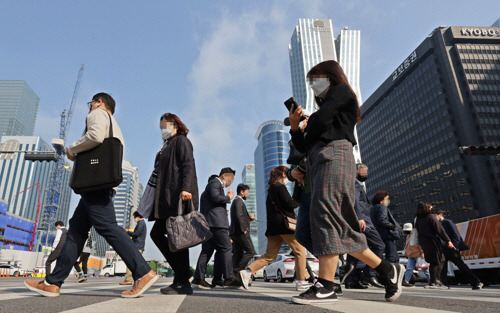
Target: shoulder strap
275, 206
110, 125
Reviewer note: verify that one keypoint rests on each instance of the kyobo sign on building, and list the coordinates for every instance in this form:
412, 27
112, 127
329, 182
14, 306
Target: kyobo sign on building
480, 32
406, 64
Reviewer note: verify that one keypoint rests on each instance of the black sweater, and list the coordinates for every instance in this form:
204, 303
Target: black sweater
275, 219
335, 119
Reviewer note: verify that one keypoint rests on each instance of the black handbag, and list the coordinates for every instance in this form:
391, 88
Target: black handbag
187, 230
99, 168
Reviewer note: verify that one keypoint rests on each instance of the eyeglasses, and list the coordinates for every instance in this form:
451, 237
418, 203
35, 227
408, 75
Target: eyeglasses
90, 104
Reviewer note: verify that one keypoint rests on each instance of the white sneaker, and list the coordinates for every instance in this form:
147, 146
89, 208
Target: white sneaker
302, 285
245, 276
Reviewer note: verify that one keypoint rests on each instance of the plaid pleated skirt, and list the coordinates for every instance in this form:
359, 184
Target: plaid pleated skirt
334, 224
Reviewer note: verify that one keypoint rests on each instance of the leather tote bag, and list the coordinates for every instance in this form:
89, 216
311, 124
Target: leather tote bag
188, 230
99, 168
290, 222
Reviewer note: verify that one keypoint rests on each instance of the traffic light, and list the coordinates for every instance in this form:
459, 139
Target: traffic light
40, 156
480, 150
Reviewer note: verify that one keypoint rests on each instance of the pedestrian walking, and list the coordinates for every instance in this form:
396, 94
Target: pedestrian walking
96, 209
430, 236
453, 255
328, 138
214, 208
84, 258
243, 249
413, 253
57, 245
173, 179
139, 239
386, 225
279, 209
362, 206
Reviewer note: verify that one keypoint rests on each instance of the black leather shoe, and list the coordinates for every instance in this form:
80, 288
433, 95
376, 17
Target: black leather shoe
372, 281
355, 285
217, 282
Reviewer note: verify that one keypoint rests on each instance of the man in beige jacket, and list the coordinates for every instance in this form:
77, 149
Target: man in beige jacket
96, 209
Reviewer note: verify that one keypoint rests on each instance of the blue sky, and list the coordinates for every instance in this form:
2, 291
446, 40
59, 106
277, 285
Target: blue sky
222, 66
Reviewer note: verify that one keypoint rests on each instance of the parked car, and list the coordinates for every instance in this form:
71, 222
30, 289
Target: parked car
281, 269
260, 273
12, 270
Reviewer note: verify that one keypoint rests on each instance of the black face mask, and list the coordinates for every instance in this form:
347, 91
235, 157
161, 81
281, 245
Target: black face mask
362, 178
244, 198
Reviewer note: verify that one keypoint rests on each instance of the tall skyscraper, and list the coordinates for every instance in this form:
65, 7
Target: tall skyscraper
18, 108
444, 95
248, 178
313, 42
126, 201
272, 151
16, 174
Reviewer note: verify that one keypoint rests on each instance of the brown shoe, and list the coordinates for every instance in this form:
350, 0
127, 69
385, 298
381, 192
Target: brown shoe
126, 283
40, 287
141, 285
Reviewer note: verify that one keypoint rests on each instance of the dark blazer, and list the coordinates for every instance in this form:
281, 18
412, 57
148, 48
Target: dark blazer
176, 173
139, 234
240, 219
452, 232
362, 205
213, 204
335, 119
383, 220
430, 234
275, 220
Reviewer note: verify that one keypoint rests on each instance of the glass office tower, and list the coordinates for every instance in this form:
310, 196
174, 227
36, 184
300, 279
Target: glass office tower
18, 108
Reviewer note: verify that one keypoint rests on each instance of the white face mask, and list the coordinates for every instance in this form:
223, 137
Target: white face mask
319, 85
166, 133
286, 181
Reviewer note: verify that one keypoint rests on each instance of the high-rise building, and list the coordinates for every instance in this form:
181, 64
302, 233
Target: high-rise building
248, 178
497, 23
444, 95
125, 201
18, 108
272, 151
16, 175
313, 42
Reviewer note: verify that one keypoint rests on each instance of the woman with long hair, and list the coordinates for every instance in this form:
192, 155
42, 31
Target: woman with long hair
328, 138
174, 178
279, 206
430, 236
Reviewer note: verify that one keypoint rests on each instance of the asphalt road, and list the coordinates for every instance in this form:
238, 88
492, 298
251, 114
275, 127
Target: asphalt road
102, 295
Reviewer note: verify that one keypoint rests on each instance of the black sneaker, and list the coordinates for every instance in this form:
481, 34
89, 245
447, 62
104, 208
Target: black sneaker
217, 282
201, 284
478, 286
338, 289
344, 271
232, 283
393, 282
177, 289
316, 294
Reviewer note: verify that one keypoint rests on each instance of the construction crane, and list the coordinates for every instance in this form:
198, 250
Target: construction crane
52, 199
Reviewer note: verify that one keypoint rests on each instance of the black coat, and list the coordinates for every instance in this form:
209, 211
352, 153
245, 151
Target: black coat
176, 173
213, 204
275, 220
452, 232
383, 221
240, 220
430, 234
362, 205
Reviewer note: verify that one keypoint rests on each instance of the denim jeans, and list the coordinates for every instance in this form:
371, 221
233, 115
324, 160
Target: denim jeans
412, 262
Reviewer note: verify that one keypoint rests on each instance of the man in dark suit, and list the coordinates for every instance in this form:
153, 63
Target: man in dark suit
453, 255
213, 205
362, 207
243, 249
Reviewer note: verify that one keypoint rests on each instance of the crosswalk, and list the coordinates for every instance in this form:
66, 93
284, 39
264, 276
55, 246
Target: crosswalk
102, 295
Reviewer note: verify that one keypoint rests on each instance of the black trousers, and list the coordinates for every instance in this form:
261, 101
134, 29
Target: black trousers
376, 244
96, 209
243, 251
223, 265
391, 252
454, 256
435, 270
179, 261
84, 258
52, 257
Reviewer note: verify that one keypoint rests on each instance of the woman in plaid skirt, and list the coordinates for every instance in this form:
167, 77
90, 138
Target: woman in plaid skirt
328, 138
